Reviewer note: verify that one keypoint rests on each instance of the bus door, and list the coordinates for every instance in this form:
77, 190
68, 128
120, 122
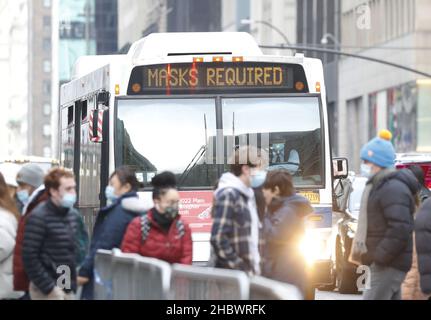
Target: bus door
83, 156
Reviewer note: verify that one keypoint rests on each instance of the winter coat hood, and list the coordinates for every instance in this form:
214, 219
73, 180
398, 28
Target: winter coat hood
229, 180
406, 177
300, 204
136, 205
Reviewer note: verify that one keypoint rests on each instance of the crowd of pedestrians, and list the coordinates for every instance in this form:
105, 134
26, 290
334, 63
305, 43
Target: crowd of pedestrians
258, 221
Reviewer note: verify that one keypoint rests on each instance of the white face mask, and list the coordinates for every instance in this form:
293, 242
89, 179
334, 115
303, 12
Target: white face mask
366, 170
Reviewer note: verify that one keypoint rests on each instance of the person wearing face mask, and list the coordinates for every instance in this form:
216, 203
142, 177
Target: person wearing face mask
51, 240
111, 223
30, 178
383, 240
161, 233
283, 228
258, 178
235, 231
9, 216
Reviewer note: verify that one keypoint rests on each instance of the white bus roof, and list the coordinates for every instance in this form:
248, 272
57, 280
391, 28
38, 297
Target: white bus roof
94, 73
162, 45
87, 64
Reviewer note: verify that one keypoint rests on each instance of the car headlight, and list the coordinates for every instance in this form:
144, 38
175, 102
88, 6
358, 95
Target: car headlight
314, 246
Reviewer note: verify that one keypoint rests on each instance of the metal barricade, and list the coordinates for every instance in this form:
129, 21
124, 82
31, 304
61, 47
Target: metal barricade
267, 289
103, 275
123, 276
124, 271
203, 283
152, 279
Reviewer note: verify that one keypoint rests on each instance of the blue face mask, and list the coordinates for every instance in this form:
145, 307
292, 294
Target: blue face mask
68, 200
258, 179
110, 193
366, 170
23, 196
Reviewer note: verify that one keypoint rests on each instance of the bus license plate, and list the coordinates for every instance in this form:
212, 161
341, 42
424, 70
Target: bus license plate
313, 197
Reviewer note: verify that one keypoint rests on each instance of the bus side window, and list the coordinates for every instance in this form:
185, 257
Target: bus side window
69, 115
84, 112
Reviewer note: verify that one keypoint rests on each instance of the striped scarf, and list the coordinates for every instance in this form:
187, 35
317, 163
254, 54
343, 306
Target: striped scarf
359, 247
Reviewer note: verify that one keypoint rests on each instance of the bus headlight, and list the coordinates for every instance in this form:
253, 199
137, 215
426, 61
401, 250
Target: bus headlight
314, 246
351, 230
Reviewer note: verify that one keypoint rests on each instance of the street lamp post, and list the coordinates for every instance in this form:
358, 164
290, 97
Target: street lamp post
327, 36
335, 89
270, 25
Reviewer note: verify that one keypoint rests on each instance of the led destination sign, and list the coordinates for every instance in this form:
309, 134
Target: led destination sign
217, 77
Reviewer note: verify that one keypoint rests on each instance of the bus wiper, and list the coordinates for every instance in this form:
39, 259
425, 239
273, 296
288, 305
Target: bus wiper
197, 157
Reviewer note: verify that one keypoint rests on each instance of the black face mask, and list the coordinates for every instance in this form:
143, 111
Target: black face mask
164, 220
276, 203
171, 212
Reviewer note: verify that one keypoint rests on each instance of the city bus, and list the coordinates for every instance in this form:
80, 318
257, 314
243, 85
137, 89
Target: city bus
182, 102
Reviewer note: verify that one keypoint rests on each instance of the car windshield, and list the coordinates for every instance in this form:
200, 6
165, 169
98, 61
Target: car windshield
155, 135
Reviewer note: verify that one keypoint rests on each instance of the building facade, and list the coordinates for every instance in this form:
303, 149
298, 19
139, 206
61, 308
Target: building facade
40, 78
233, 12
279, 14
106, 26
194, 15
374, 96
319, 20
14, 68
137, 19
77, 34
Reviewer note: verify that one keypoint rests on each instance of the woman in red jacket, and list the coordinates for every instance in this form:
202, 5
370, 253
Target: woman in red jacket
161, 233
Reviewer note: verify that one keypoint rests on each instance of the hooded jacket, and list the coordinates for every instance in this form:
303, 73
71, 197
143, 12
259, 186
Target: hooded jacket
20, 279
390, 223
8, 226
423, 245
283, 229
235, 229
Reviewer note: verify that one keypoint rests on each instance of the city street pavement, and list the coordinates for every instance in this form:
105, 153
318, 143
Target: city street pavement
334, 295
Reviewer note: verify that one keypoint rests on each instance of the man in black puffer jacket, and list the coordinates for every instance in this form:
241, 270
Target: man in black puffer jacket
423, 245
390, 206
52, 240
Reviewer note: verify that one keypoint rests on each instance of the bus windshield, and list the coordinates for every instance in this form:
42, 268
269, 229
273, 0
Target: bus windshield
155, 135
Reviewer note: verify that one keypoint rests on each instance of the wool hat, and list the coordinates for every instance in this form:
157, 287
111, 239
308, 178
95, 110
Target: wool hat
380, 150
31, 174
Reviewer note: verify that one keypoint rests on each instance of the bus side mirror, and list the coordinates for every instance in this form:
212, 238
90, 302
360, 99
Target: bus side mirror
96, 125
340, 168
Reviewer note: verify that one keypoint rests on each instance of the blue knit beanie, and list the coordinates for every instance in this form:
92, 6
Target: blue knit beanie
379, 151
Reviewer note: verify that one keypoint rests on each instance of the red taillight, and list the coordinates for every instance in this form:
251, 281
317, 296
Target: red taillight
427, 171
425, 167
